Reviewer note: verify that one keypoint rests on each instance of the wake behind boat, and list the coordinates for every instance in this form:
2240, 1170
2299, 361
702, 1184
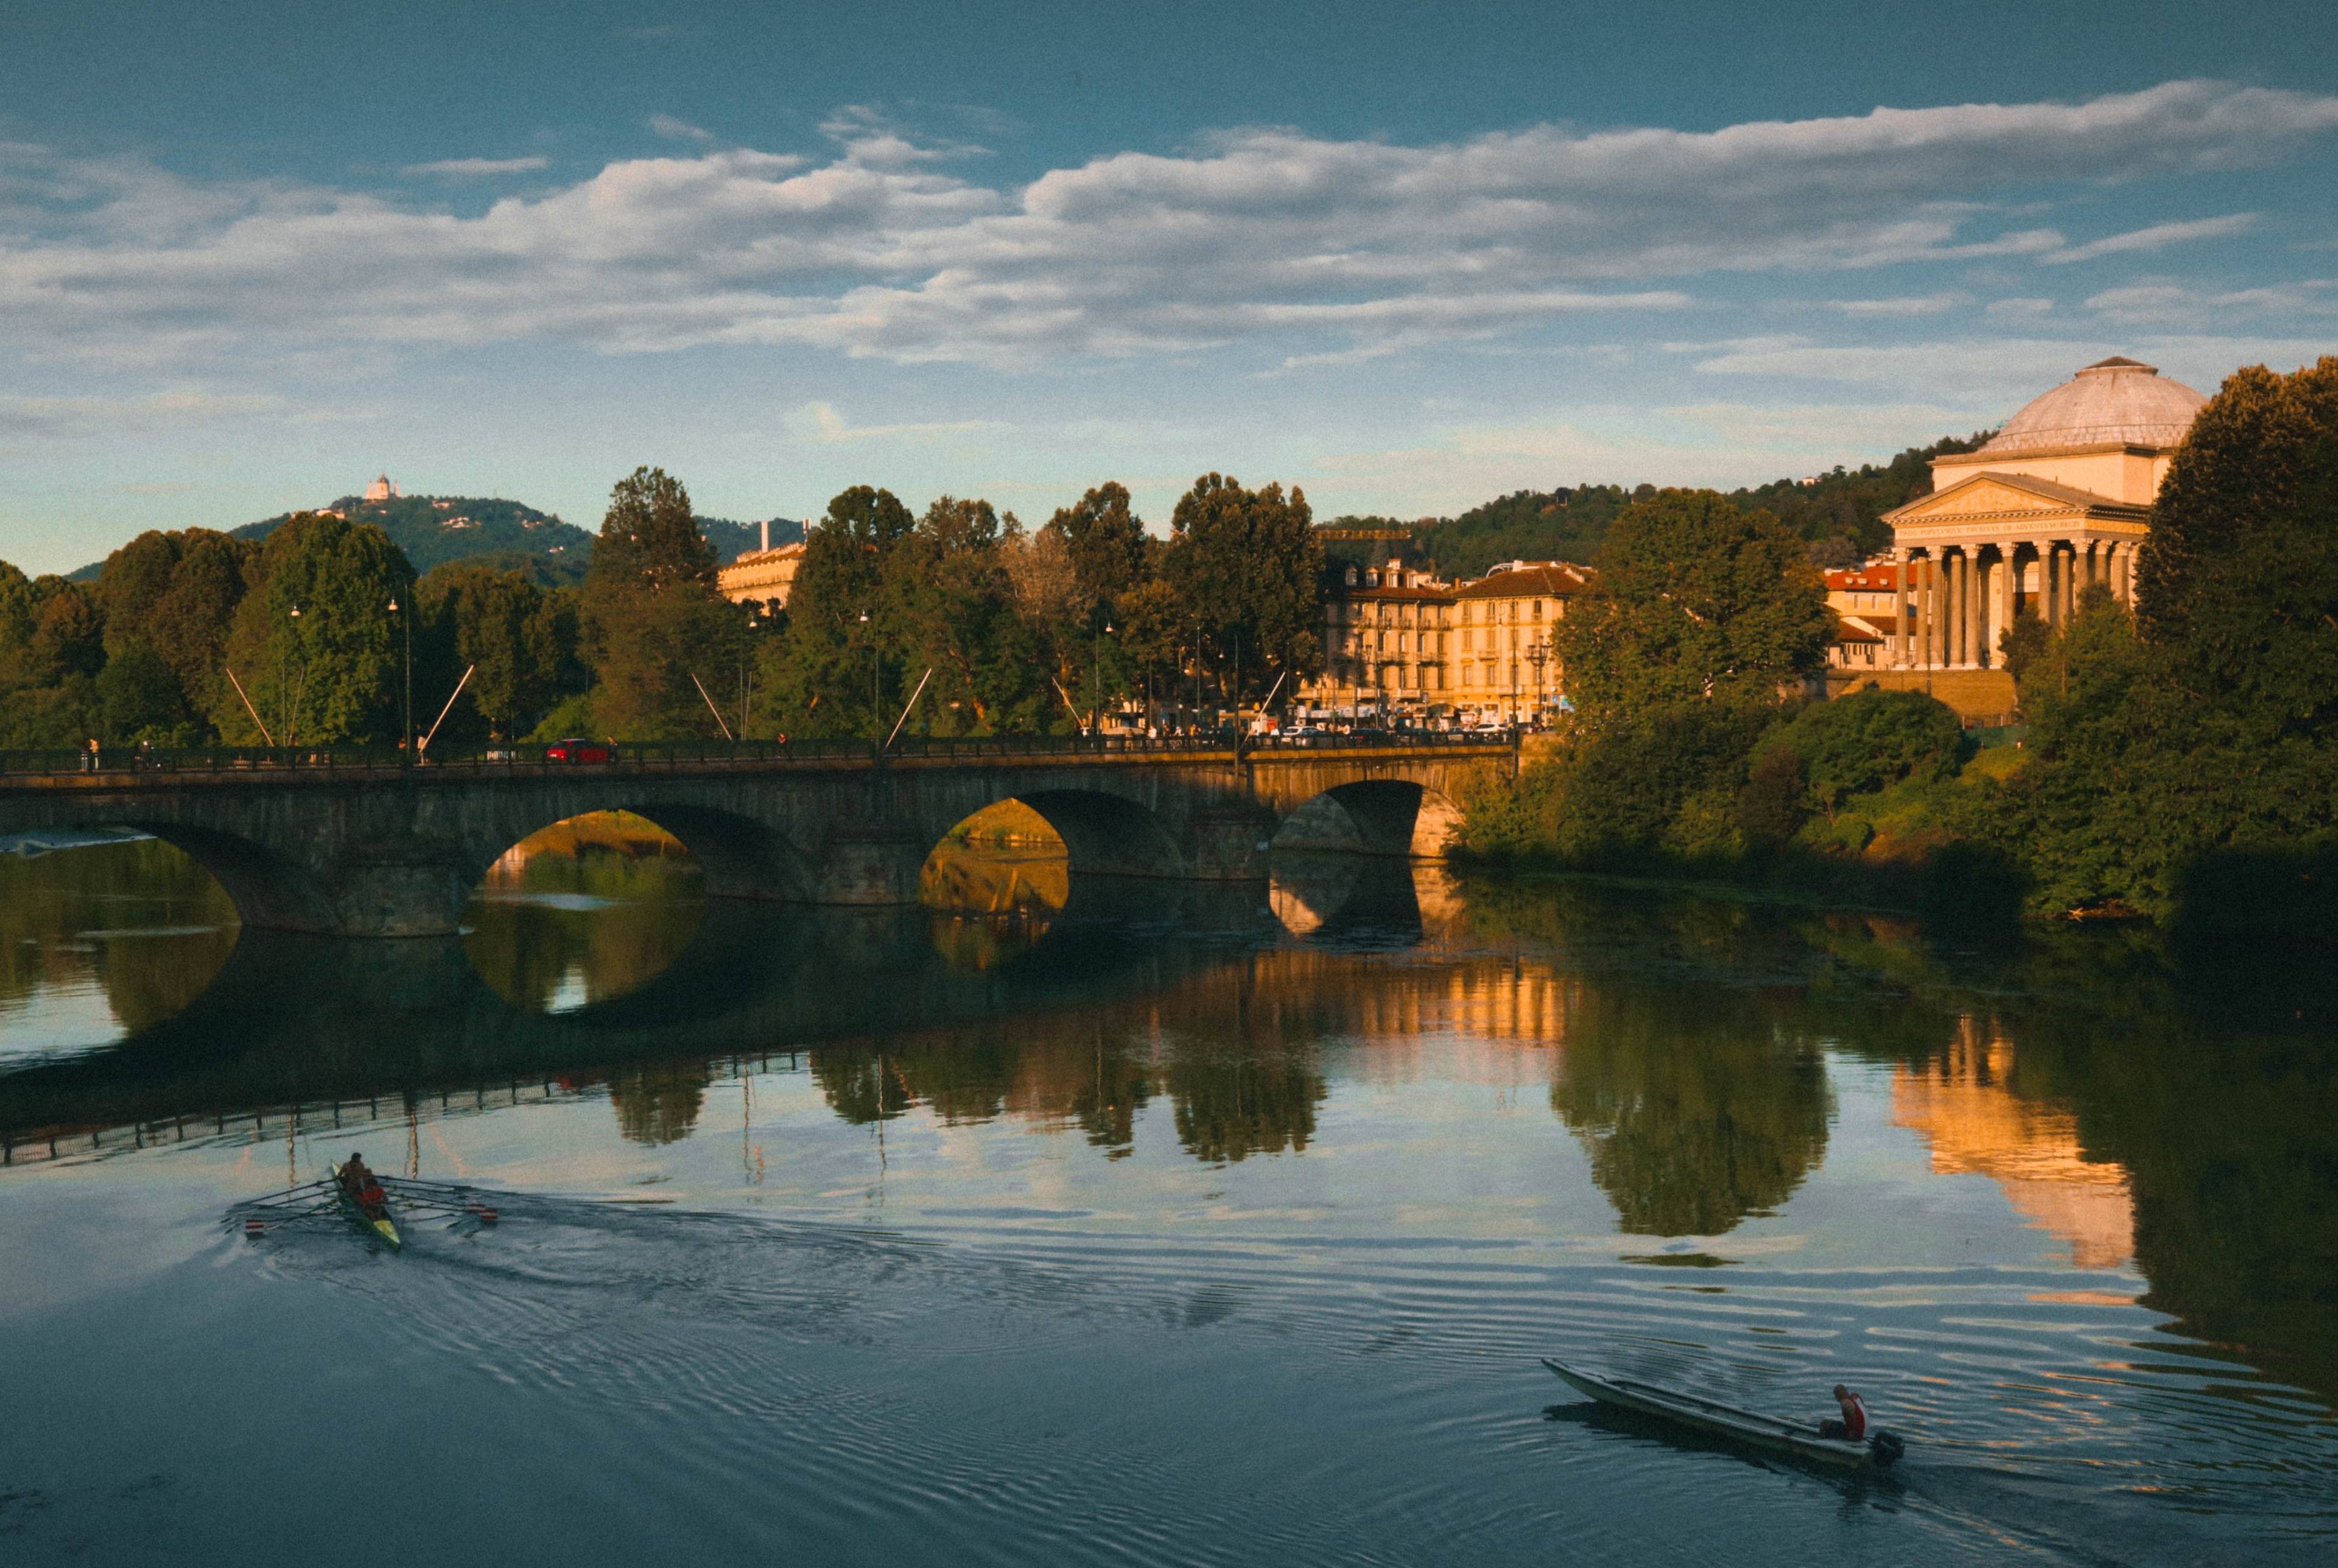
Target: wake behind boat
1880, 1449
367, 1205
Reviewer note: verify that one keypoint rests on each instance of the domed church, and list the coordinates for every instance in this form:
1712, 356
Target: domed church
2058, 500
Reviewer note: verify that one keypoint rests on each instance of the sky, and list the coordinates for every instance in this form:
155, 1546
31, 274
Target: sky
1406, 256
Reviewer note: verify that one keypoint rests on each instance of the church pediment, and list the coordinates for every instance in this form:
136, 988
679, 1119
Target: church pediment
1976, 497
2008, 495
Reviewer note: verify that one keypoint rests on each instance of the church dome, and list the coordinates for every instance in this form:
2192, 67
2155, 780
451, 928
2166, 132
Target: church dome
2113, 400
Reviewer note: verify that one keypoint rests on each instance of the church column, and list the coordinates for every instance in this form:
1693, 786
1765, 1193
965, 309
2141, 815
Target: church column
2008, 587
2049, 575
1960, 605
1929, 617
1898, 608
1977, 644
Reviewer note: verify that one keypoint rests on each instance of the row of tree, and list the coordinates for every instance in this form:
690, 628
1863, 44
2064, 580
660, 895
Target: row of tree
322, 632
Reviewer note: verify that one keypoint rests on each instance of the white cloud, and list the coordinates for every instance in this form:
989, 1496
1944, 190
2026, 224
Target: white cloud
61, 419
2022, 306
1300, 245
477, 167
1901, 306
821, 422
2172, 304
2158, 236
675, 129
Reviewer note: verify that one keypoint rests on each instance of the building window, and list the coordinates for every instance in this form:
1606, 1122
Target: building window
1537, 614
1351, 576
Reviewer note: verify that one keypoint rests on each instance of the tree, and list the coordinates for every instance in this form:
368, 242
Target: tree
2237, 583
949, 606
652, 624
1103, 542
506, 630
1695, 601
139, 699
1245, 565
818, 667
68, 633
1868, 741
331, 673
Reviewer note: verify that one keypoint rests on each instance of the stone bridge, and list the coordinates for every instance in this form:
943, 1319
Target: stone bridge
381, 850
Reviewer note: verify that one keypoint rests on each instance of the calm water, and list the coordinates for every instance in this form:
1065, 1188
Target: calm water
1153, 1227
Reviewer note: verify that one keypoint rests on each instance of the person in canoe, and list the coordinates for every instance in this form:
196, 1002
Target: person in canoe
1853, 1425
364, 1187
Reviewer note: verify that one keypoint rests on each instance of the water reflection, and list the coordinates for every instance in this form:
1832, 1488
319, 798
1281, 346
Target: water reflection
584, 911
1963, 1105
106, 939
1690, 1048
1696, 1109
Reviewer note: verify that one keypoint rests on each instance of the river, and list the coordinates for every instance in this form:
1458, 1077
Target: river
1133, 1223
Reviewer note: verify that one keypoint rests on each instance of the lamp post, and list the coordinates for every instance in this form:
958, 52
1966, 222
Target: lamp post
1096, 674
406, 726
875, 717
291, 700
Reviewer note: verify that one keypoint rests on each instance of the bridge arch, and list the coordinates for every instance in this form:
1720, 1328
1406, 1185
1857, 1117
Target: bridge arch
1389, 817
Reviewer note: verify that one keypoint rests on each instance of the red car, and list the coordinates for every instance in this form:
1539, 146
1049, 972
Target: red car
576, 749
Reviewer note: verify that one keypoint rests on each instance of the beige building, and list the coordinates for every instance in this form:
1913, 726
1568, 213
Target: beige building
2058, 500
1396, 635
1385, 636
1506, 660
761, 574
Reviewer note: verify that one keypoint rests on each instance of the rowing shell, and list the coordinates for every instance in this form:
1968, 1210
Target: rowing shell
1723, 1420
378, 1224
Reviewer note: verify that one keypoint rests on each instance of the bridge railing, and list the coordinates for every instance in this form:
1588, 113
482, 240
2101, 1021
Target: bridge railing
533, 756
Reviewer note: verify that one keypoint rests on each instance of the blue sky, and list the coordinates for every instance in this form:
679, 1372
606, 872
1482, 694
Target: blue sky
1406, 256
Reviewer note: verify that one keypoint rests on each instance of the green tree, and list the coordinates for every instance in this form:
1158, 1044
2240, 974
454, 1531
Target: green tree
652, 626
68, 633
818, 666
506, 630
1696, 601
949, 606
330, 674
1867, 741
1246, 567
139, 699
1105, 540
2238, 584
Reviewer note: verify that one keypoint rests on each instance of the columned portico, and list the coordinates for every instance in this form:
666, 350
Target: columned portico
2055, 504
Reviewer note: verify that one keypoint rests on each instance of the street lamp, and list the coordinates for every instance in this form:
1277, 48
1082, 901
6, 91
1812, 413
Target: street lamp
1095, 675
291, 699
406, 727
876, 717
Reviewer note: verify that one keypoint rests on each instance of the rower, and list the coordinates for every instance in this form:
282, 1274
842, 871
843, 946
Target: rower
1853, 1425
362, 1184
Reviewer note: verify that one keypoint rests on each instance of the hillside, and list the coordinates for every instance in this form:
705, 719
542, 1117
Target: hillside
437, 530
1839, 513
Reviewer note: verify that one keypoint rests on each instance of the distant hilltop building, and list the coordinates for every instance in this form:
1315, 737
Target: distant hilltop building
381, 489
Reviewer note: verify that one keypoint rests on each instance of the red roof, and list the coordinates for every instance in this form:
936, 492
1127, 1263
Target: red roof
1865, 579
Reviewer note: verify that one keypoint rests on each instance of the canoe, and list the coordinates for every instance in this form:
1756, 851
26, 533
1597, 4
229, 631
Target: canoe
377, 1224
1747, 1426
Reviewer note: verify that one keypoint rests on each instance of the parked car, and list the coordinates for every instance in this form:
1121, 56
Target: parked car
576, 749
